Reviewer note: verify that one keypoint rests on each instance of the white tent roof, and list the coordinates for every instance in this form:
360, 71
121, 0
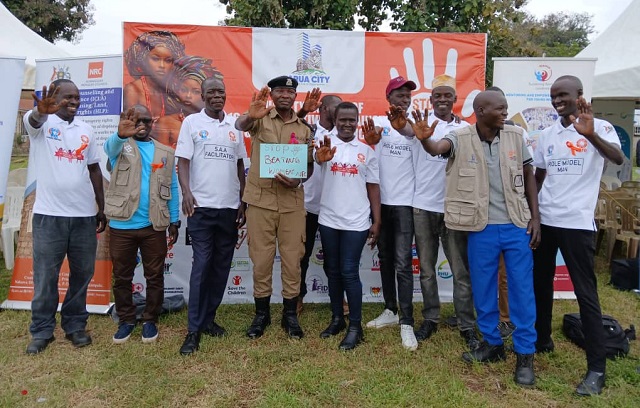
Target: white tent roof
618, 68
17, 40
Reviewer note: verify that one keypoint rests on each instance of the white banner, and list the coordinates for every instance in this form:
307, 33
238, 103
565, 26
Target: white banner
11, 84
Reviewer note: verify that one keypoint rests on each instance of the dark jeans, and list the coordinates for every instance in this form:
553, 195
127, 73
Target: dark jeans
213, 235
53, 238
312, 228
429, 229
578, 250
123, 245
394, 252
342, 251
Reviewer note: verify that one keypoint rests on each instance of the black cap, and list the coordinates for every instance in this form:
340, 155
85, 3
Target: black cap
283, 82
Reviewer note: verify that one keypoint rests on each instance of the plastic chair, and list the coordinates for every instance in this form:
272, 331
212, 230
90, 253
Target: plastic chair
629, 228
13, 201
611, 182
634, 184
17, 176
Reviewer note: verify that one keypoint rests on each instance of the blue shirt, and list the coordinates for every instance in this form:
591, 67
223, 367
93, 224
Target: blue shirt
140, 218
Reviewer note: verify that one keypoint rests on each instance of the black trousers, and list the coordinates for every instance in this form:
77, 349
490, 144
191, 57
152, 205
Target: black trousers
312, 228
578, 250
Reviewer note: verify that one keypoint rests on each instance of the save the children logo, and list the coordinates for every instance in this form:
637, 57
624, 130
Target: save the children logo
309, 69
236, 280
542, 73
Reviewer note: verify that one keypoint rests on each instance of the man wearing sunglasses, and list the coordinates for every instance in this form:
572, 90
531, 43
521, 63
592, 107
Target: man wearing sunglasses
141, 204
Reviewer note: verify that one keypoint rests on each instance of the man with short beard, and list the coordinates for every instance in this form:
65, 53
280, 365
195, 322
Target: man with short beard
141, 204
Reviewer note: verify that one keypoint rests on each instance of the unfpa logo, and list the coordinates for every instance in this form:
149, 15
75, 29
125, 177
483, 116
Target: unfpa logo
96, 70
543, 73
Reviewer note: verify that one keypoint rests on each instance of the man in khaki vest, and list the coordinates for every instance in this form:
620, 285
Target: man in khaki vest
275, 205
141, 203
491, 192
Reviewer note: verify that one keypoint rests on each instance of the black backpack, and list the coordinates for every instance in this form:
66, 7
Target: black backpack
616, 339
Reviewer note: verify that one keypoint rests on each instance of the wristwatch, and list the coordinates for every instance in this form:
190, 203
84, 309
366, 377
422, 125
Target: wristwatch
176, 224
299, 184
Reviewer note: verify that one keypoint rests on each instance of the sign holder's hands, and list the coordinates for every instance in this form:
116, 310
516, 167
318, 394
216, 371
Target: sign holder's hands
288, 181
258, 108
324, 152
420, 125
47, 104
397, 117
371, 135
127, 125
585, 125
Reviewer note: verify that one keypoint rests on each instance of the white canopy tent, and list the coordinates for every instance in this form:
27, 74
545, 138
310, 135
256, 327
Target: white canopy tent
18, 40
617, 74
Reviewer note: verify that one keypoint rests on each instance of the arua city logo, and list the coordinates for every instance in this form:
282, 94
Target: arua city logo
309, 69
543, 73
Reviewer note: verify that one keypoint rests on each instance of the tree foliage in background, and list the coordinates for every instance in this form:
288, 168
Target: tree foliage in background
561, 34
53, 19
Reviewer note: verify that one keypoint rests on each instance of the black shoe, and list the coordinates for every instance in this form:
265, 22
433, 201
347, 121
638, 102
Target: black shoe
191, 344
38, 345
262, 318
452, 321
353, 337
485, 353
426, 330
470, 336
506, 329
545, 347
289, 320
79, 338
592, 384
214, 330
336, 326
524, 370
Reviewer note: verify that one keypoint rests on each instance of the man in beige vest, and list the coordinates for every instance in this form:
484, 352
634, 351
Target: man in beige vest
141, 204
491, 192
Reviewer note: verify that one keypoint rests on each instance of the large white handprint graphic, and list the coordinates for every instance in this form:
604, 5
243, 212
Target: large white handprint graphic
420, 100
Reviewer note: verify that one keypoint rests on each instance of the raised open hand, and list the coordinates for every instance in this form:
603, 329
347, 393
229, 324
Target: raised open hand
371, 135
585, 125
127, 125
397, 117
47, 104
324, 152
312, 100
258, 108
420, 125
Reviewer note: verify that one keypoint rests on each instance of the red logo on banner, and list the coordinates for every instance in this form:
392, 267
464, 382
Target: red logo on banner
95, 70
236, 280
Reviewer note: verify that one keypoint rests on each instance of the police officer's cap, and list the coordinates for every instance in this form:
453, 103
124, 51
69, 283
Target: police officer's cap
283, 82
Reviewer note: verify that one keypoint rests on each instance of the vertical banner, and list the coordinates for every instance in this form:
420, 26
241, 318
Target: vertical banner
99, 81
526, 82
11, 84
163, 66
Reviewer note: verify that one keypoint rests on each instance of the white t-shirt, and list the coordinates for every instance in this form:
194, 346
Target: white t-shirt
313, 186
60, 152
344, 204
570, 190
214, 148
430, 170
397, 177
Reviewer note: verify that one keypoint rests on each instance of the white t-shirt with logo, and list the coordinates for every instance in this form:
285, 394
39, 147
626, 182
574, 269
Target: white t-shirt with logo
430, 170
60, 152
313, 186
344, 204
570, 190
213, 148
397, 176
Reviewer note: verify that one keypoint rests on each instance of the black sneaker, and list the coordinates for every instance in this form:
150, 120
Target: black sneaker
506, 329
486, 353
426, 330
545, 346
592, 384
524, 375
214, 330
470, 336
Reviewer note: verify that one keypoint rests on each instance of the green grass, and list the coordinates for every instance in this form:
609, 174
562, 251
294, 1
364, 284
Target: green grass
277, 372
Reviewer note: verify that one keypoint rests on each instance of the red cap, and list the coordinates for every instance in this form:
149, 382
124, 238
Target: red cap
399, 82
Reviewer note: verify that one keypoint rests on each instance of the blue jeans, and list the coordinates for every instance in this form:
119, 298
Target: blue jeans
53, 238
394, 252
342, 250
484, 250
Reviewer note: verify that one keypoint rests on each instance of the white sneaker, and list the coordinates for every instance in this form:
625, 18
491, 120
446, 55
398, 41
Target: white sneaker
409, 340
386, 318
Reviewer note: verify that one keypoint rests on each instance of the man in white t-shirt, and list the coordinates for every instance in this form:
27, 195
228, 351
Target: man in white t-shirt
313, 187
210, 155
397, 179
569, 159
65, 217
428, 220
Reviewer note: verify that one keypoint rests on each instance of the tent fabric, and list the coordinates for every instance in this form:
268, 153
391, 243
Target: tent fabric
617, 73
18, 40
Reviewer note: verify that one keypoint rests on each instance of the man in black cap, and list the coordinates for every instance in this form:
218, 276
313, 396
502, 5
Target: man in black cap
276, 205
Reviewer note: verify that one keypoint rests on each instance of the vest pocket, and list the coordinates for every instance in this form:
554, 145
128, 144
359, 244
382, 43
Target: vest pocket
116, 205
122, 178
164, 188
460, 213
517, 179
466, 179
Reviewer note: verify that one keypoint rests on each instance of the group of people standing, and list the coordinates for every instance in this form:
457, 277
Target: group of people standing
424, 176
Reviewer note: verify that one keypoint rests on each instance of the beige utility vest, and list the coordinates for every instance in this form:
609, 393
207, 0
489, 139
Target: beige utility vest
123, 194
466, 203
